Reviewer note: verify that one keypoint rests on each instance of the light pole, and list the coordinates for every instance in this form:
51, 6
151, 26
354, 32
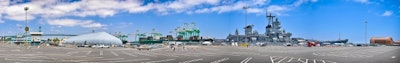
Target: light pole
26, 26
245, 10
366, 22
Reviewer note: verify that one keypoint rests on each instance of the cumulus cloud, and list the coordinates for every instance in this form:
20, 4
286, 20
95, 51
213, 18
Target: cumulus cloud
82, 8
300, 2
72, 22
278, 10
387, 13
58, 9
363, 1
255, 6
1, 21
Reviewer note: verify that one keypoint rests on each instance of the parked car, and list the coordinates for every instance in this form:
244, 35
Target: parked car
143, 48
100, 46
104, 46
207, 43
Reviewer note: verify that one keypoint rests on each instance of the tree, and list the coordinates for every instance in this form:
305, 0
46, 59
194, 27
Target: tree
56, 41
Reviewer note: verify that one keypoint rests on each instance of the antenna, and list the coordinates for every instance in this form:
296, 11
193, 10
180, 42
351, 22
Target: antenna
270, 18
366, 22
339, 35
245, 10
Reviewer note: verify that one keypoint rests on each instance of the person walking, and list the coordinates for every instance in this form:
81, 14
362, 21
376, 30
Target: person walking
174, 48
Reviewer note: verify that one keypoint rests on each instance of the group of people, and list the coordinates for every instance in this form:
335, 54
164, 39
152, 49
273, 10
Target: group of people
173, 47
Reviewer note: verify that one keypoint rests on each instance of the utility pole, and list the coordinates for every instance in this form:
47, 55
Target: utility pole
26, 26
339, 35
3, 38
366, 32
245, 10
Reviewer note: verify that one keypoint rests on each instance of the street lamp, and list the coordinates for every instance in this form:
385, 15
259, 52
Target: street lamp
245, 10
26, 26
366, 22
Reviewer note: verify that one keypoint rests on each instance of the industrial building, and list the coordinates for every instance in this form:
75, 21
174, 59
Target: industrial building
382, 40
98, 38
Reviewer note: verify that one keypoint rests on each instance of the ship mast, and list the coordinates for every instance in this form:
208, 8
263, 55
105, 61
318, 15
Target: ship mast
270, 18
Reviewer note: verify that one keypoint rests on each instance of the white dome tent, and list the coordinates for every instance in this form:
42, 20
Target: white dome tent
99, 38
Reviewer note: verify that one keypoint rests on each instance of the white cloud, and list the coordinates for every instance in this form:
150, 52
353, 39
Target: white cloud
72, 22
277, 9
300, 2
362, 1
260, 2
223, 8
255, 6
255, 10
1, 21
57, 9
387, 13
202, 10
19, 17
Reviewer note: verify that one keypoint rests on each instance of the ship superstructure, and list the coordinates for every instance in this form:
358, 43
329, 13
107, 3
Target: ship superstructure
273, 33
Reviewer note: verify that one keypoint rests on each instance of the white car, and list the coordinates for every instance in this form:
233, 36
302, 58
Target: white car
175, 43
100, 46
206, 43
143, 47
287, 44
104, 46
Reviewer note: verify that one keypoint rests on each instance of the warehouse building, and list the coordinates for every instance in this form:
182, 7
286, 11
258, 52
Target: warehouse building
99, 38
382, 40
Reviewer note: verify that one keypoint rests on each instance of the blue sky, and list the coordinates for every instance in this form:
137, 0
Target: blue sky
313, 19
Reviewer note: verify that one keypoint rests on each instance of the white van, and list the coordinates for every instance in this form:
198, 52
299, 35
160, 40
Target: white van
208, 43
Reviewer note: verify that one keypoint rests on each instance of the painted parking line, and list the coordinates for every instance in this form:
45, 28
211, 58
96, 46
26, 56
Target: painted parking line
141, 53
22, 59
282, 59
88, 52
110, 59
73, 52
16, 50
165, 60
302, 60
128, 54
115, 54
129, 60
246, 60
290, 59
194, 60
165, 54
101, 53
273, 58
73, 60
221, 60
315, 61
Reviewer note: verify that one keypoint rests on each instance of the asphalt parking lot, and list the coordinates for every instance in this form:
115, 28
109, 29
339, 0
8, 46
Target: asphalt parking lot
201, 54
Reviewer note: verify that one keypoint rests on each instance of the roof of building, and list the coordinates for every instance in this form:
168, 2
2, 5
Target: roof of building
94, 38
381, 38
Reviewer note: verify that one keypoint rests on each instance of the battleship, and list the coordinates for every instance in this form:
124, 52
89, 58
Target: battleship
273, 34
